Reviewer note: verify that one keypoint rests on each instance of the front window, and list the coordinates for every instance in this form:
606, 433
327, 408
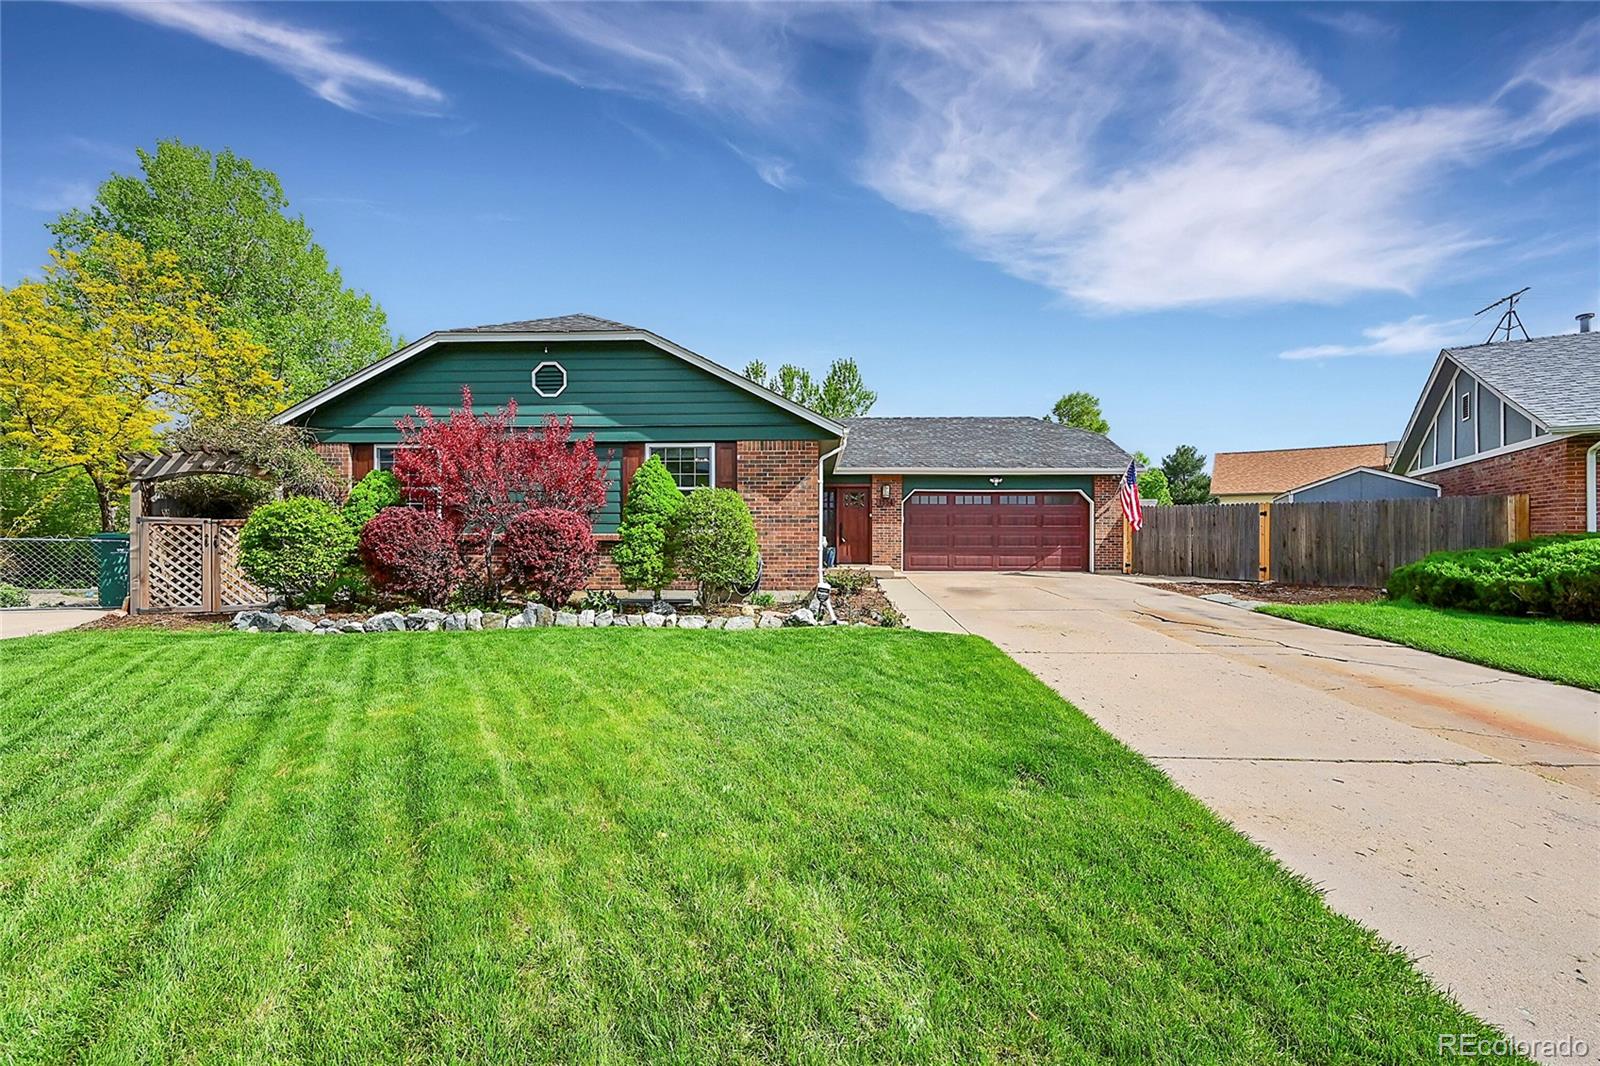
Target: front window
383, 459
383, 456
691, 465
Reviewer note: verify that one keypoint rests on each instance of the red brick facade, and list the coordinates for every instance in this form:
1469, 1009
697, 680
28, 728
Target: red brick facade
1107, 525
338, 456
886, 518
779, 480
1552, 475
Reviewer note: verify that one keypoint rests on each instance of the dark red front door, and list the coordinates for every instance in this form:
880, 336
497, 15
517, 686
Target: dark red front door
996, 531
853, 507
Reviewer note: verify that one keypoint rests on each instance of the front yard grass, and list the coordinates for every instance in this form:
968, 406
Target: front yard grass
577, 845
1568, 652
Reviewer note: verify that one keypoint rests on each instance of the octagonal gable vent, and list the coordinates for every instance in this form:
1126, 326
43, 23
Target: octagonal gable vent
549, 379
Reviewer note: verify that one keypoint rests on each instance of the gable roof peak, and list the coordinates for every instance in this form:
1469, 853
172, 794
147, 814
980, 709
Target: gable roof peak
576, 322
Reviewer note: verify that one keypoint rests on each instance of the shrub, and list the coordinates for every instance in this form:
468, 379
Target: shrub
641, 553
349, 588
599, 600
846, 581
286, 456
292, 545
550, 552
411, 553
370, 495
764, 599
1546, 575
713, 539
12, 596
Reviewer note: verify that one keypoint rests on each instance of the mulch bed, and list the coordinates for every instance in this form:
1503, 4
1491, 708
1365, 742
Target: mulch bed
119, 620
1272, 592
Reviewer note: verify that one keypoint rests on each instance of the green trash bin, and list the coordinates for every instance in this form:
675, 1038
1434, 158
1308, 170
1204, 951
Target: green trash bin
111, 550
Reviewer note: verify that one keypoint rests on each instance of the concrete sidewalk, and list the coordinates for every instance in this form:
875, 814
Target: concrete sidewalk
32, 621
1453, 808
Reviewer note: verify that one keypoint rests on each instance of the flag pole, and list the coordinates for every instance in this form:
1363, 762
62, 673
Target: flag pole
1127, 544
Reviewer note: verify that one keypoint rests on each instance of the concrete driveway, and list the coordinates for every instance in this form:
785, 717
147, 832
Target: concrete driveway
32, 621
1453, 808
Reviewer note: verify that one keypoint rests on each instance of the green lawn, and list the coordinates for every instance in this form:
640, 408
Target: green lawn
571, 845
1568, 652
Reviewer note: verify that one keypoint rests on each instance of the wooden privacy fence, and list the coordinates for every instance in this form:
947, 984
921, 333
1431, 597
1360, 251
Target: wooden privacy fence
190, 564
1359, 542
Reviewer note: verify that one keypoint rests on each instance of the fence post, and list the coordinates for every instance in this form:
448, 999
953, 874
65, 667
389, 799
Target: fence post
1518, 513
1264, 542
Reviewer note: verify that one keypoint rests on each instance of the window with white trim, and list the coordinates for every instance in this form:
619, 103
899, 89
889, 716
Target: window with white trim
422, 499
692, 466
383, 456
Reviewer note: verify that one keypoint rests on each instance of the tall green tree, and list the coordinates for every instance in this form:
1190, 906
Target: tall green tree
1186, 474
1080, 409
229, 224
842, 393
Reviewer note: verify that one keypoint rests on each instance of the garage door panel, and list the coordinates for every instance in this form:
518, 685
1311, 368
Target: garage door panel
997, 531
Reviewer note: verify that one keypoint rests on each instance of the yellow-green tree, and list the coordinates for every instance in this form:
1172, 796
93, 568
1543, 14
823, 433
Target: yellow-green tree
93, 361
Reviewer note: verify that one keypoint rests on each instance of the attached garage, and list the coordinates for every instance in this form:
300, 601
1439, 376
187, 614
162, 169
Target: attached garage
976, 494
996, 531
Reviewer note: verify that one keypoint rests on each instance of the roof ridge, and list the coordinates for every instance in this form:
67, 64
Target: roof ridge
1305, 448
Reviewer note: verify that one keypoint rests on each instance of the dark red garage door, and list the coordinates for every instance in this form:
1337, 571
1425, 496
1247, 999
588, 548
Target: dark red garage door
996, 531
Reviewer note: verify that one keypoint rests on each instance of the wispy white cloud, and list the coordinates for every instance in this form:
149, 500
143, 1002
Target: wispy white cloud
776, 171
1417, 335
54, 197
316, 59
1353, 22
1131, 157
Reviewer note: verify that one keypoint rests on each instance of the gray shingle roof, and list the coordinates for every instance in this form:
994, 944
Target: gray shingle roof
976, 444
1555, 379
577, 323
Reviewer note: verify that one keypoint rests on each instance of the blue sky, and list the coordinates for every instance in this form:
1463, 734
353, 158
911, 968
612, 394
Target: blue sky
1241, 226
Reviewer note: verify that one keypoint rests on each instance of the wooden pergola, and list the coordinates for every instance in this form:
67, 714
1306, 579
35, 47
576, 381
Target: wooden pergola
146, 469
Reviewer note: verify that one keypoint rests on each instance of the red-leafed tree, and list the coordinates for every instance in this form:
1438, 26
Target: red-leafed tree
550, 552
483, 472
412, 553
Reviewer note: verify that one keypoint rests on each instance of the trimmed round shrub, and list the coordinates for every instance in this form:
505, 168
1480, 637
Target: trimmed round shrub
12, 596
293, 545
550, 552
641, 551
411, 553
371, 494
713, 542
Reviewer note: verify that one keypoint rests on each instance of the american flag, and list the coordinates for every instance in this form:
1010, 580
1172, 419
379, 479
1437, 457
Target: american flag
1131, 510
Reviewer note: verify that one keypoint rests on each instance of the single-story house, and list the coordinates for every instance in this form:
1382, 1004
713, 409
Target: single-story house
911, 493
1262, 476
1513, 417
1362, 483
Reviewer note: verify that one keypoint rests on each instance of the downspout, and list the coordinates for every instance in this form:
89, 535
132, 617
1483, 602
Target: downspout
1594, 493
820, 490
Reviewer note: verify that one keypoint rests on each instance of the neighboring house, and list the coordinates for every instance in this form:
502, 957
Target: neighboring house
1513, 417
1362, 483
1031, 493
1262, 476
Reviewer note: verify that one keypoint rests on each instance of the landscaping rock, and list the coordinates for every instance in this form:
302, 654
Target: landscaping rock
670, 621
351, 626
293, 624
537, 614
566, 618
494, 620
586, 619
770, 620
518, 621
744, 621
663, 608
427, 618
654, 620
748, 610
801, 617
474, 619
389, 621
691, 621
604, 619
716, 623
456, 622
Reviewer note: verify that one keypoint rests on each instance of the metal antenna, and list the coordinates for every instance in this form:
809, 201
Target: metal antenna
1509, 319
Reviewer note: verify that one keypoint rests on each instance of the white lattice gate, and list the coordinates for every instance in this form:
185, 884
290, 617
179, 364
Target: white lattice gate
190, 564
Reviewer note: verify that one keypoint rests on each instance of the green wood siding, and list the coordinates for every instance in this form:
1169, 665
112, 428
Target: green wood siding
622, 391
619, 391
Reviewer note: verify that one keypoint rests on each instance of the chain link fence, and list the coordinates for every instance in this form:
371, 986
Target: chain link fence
66, 569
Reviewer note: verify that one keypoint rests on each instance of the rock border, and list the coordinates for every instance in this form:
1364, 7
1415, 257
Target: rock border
816, 611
